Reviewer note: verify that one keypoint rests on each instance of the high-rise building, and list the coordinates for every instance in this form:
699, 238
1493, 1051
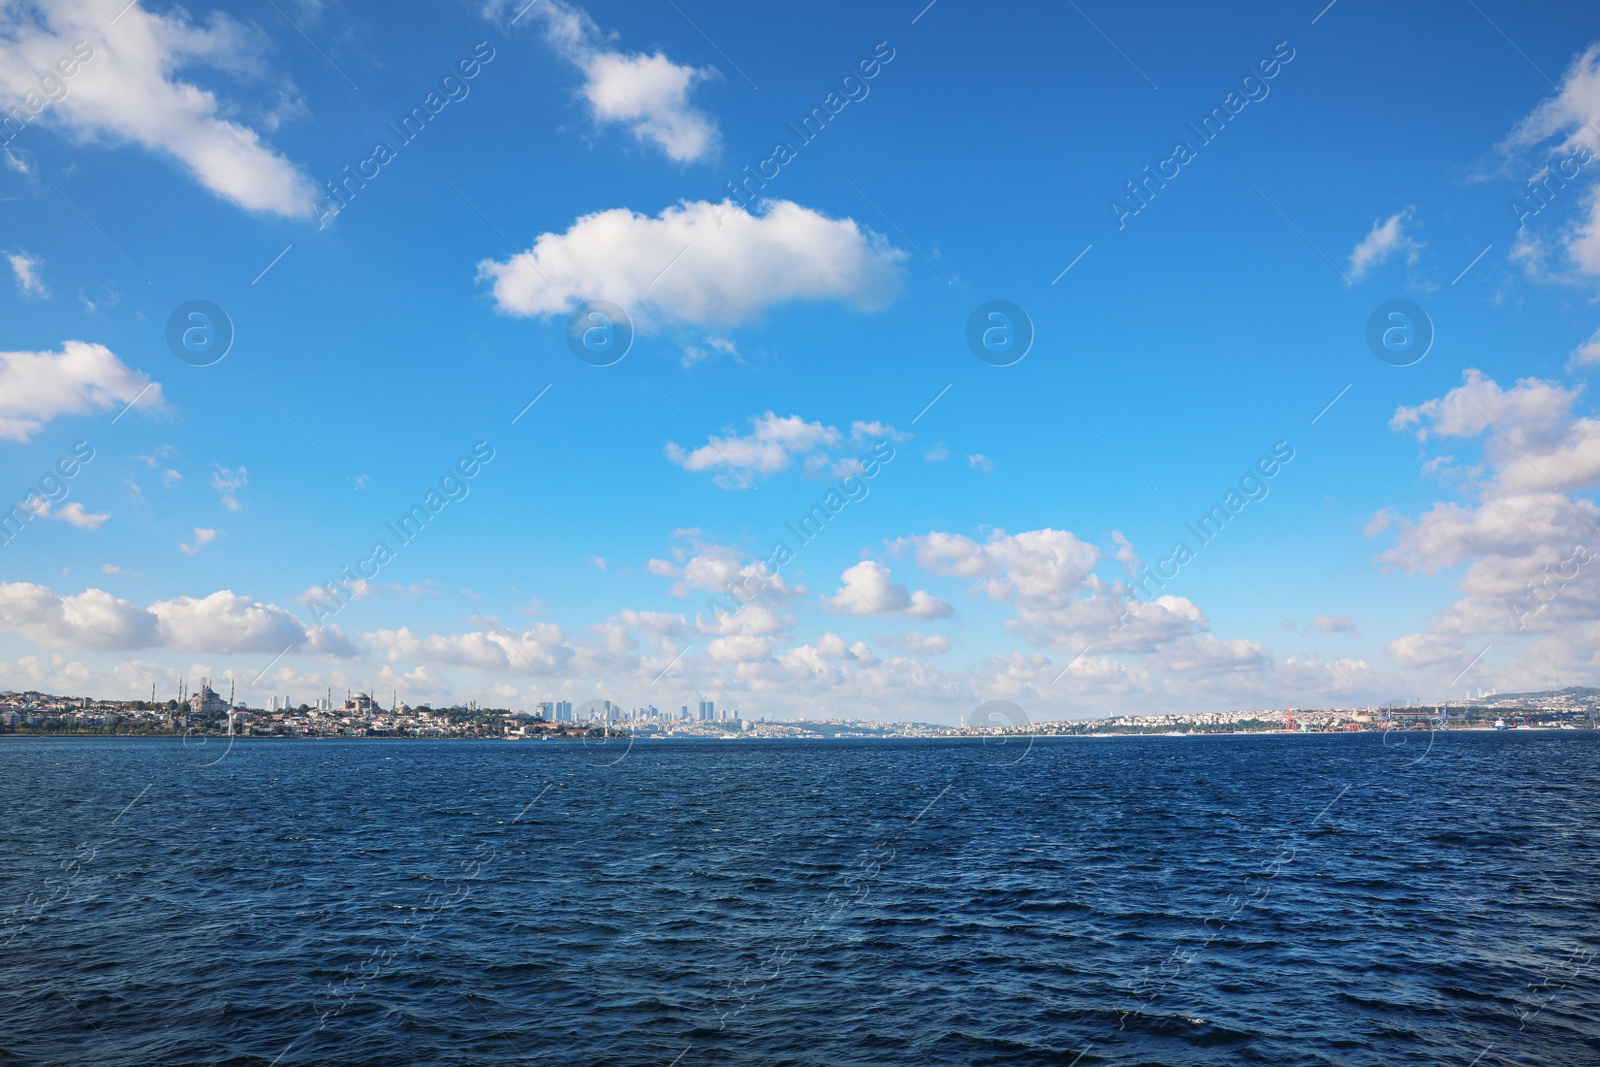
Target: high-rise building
708, 710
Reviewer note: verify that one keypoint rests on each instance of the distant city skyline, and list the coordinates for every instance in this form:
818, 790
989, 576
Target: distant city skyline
884, 360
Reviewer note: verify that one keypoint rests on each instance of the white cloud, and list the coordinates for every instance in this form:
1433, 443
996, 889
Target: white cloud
868, 589
927, 644
648, 94
1586, 354
1562, 124
1042, 567
1207, 652
57, 674
1061, 603
771, 446
1525, 544
19, 164
358, 589
980, 462
1335, 624
1575, 105
665, 632
540, 648
1110, 620
693, 354
36, 387
90, 619
202, 537
698, 262
757, 618
752, 663
719, 569
130, 90
224, 623
1534, 442
1427, 651
876, 430
741, 648
1386, 237
73, 513
26, 268
226, 482
936, 453
661, 624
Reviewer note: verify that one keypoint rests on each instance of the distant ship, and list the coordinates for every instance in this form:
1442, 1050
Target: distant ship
1499, 724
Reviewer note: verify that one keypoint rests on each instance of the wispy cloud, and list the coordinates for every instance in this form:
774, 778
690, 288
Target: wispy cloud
645, 93
1386, 238
228, 483
26, 269
202, 537
1586, 354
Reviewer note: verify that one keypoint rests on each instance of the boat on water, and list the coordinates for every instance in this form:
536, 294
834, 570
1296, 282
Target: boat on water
1499, 724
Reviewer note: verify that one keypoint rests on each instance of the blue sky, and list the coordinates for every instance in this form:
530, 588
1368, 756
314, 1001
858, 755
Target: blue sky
1368, 155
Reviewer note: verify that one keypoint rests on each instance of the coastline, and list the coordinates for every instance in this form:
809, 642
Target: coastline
978, 737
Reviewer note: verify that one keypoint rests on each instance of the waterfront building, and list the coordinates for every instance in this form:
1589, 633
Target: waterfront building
206, 701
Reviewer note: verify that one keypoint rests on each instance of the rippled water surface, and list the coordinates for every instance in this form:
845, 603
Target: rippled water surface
1271, 900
